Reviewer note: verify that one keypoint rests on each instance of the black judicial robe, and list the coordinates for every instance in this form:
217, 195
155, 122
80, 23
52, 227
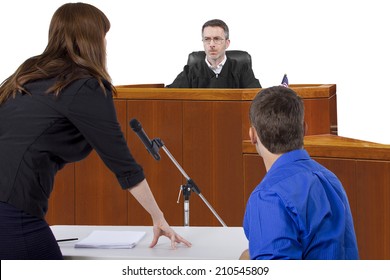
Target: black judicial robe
233, 75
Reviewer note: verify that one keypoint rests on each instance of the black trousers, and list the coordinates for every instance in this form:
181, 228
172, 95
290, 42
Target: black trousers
25, 237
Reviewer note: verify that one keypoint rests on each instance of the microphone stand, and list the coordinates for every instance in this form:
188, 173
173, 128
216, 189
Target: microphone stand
187, 188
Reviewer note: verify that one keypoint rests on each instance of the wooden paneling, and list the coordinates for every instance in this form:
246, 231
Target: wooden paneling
373, 209
62, 201
99, 198
345, 170
194, 133
211, 129
320, 109
254, 171
203, 129
317, 123
140, 86
161, 120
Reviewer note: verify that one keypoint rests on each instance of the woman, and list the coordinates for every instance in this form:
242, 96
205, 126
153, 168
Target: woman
55, 109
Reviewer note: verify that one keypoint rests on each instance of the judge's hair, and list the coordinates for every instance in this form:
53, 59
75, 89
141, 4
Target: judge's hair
217, 23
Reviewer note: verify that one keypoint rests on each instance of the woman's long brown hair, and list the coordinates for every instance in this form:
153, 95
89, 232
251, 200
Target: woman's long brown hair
76, 49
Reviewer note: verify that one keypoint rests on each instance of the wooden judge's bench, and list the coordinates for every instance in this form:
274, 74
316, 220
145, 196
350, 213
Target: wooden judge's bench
206, 131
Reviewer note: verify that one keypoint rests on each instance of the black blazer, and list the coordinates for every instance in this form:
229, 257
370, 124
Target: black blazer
40, 133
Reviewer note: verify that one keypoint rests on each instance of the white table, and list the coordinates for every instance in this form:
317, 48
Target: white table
212, 243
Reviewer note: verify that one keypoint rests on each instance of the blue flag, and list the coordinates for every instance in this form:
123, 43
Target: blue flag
285, 81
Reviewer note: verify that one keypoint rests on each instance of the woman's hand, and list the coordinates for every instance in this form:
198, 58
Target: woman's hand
144, 196
161, 228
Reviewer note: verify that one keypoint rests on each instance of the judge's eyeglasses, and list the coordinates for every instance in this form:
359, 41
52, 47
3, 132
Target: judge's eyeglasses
216, 40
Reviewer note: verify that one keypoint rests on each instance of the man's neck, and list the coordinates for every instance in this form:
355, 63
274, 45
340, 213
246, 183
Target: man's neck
268, 157
269, 160
214, 64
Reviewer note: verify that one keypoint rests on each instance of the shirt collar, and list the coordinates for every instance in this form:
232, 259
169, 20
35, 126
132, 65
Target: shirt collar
290, 157
218, 69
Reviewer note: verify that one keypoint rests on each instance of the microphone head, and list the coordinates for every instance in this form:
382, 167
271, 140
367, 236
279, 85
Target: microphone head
135, 125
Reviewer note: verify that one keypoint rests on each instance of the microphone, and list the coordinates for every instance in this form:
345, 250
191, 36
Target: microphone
150, 146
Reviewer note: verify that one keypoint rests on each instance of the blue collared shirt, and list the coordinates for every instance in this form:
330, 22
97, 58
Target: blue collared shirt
299, 211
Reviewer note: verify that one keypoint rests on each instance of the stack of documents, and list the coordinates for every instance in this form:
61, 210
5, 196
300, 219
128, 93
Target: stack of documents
104, 239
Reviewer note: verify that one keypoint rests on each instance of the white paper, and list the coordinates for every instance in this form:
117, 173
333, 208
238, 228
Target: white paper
104, 239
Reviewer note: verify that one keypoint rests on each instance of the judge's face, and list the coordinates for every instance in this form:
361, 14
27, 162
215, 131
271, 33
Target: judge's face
215, 43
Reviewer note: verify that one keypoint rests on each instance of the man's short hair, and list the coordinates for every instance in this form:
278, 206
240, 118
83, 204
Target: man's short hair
277, 114
219, 23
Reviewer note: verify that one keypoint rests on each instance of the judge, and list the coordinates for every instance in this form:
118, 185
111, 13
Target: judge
217, 70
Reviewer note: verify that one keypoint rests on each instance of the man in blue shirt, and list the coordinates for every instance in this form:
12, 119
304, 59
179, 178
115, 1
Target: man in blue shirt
300, 209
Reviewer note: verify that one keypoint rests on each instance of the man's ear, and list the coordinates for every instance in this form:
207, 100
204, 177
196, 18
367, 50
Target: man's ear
227, 43
253, 135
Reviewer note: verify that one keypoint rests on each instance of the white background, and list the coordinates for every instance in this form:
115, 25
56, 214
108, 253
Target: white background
113, 269
334, 41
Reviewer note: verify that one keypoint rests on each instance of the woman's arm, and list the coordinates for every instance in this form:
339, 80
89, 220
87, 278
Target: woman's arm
144, 196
